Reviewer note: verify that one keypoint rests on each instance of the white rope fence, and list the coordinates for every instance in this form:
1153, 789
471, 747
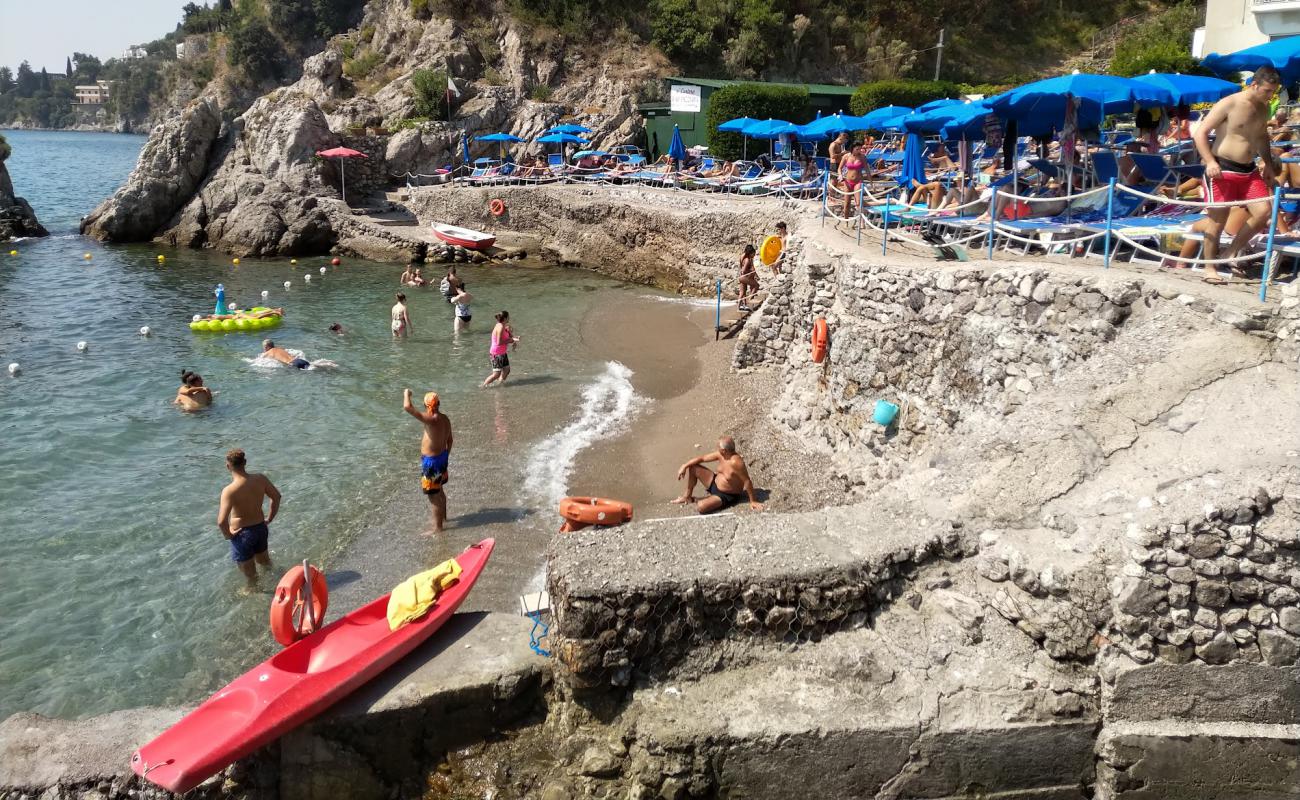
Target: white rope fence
898, 219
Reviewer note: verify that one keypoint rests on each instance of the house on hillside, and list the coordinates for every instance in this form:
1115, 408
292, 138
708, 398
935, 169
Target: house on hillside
93, 94
134, 52
1232, 25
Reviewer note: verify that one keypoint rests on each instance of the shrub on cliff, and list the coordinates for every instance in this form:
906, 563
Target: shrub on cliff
1161, 43
908, 93
760, 101
429, 89
255, 52
5, 149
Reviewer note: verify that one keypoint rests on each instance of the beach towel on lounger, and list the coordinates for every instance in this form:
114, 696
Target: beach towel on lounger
413, 597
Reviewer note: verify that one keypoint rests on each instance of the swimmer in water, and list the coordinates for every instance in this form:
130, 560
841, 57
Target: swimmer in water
503, 337
192, 394
336, 328
283, 356
241, 519
435, 452
463, 314
401, 317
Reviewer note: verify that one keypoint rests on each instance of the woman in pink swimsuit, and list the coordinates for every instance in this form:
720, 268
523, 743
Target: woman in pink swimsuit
503, 337
851, 167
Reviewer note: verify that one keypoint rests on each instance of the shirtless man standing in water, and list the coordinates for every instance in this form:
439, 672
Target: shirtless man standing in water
435, 451
241, 519
725, 487
1241, 123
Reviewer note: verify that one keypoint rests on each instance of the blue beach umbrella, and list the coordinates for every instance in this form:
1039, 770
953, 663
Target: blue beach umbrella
833, 125
568, 129
872, 121
498, 137
896, 122
736, 125
562, 138
676, 149
464, 149
1188, 89
940, 103
770, 129
1098, 95
913, 167
1283, 54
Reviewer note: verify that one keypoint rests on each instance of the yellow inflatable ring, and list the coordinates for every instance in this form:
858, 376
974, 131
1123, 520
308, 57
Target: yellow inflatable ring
770, 250
236, 325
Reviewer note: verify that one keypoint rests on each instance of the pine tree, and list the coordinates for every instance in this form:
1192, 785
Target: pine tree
69, 69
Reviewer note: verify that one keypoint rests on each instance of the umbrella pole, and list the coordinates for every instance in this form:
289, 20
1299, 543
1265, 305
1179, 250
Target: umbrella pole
343, 181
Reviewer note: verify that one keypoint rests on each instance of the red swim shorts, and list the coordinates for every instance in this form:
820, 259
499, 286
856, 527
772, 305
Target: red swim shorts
1230, 187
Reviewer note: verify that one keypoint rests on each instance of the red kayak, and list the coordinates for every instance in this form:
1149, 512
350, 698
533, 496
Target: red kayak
464, 237
294, 685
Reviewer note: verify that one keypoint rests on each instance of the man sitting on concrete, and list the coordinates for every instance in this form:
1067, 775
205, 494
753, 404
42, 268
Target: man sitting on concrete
725, 487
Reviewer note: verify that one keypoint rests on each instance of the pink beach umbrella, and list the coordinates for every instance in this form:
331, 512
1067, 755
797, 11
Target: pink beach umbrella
341, 153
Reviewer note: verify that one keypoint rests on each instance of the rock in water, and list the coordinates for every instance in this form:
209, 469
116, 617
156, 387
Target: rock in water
172, 164
16, 216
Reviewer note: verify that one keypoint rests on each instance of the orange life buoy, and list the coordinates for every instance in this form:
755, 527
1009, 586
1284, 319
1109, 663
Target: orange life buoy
289, 619
570, 526
497, 207
595, 511
821, 340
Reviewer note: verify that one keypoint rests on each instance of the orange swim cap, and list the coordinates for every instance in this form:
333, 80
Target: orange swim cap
431, 401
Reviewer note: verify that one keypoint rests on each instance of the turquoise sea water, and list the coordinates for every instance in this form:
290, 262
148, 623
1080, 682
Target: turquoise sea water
115, 584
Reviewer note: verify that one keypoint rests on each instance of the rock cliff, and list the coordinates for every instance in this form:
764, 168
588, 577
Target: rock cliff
16, 216
250, 182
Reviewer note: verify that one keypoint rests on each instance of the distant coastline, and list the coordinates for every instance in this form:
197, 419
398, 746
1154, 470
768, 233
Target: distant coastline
74, 129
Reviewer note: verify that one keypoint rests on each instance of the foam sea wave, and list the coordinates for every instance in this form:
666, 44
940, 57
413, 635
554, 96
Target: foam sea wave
608, 402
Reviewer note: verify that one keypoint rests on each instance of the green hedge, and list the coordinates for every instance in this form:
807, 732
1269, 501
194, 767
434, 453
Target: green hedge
757, 100
871, 96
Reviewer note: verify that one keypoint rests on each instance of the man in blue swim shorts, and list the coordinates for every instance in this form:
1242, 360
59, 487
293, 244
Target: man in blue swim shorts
241, 519
435, 452
283, 356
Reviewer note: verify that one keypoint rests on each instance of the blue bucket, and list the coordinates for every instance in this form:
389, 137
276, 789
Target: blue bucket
885, 413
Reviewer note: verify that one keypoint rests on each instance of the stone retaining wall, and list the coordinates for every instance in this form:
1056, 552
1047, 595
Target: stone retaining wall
1218, 588
629, 607
365, 176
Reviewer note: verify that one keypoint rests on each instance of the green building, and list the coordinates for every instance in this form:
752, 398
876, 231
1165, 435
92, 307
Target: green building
686, 92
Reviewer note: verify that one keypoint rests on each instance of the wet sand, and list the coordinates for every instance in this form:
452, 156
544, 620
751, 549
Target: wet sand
686, 417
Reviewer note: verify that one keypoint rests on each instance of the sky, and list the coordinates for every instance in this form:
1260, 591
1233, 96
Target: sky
47, 32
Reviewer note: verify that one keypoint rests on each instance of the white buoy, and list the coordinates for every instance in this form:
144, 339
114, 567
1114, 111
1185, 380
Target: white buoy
14, 369
197, 317
322, 270
82, 346
287, 284
144, 330
307, 278
265, 294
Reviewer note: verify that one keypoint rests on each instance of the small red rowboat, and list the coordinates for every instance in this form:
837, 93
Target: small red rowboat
294, 685
464, 237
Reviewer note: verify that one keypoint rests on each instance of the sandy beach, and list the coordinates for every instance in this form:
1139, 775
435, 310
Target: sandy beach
694, 397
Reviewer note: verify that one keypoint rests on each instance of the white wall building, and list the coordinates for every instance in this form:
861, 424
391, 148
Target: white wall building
94, 94
1232, 25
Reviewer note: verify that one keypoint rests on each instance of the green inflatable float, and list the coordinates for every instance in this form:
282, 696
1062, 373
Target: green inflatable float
240, 325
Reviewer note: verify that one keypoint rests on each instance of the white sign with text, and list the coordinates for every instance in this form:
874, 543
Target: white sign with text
684, 98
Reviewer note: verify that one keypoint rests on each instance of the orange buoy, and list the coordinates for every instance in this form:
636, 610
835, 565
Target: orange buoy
821, 340
497, 207
594, 511
570, 526
290, 617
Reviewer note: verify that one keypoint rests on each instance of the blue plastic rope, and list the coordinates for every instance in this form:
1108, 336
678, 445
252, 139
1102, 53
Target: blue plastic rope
534, 641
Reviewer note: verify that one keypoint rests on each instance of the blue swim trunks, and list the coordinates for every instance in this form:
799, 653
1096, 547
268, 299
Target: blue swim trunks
433, 472
248, 542
300, 363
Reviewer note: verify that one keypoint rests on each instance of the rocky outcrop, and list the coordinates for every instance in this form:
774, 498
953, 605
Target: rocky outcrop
17, 219
171, 165
264, 198
253, 187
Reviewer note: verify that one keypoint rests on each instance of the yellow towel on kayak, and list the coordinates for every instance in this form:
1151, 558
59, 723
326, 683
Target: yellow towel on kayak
414, 596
